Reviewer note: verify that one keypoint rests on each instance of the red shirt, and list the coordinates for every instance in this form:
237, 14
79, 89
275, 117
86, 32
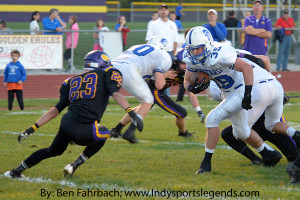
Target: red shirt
285, 24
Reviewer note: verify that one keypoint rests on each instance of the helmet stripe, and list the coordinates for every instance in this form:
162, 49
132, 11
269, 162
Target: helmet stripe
191, 31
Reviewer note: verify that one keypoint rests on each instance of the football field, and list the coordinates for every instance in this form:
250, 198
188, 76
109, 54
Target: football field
161, 166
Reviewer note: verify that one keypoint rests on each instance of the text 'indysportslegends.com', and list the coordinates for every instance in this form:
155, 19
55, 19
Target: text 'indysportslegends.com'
97, 193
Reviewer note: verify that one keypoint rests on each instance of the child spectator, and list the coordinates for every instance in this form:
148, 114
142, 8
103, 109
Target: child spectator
14, 76
98, 36
73, 27
34, 24
121, 27
4, 30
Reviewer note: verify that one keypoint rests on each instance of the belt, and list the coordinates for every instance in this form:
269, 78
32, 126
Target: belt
266, 81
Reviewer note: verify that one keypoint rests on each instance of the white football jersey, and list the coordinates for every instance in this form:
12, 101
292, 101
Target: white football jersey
220, 67
147, 57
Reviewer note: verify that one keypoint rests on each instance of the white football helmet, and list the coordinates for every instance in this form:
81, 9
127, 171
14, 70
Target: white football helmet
199, 37
159, 41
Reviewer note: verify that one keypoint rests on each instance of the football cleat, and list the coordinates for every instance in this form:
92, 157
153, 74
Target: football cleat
13, 174
204, 168
185, 134
293, 172
69, 170
129, 135
115, 133
271, 158
201, 115
296, 138
257, 161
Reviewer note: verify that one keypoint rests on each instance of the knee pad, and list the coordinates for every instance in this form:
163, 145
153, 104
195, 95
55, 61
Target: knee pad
241, 133
212, 120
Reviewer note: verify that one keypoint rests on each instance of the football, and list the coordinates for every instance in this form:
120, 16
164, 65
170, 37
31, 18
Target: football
200, 76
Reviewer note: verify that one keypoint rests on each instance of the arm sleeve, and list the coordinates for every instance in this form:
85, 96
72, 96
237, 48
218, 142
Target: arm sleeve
23, 74
221, 31
269, 25
5, 74
64, 97
113, 80
246, 22
117, 26
149, 33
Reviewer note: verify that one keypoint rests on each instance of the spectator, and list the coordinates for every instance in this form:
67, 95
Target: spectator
121, 27
4, 30
14, 76
34, 24
154, 18
54, 23
258, 29
242, 31
231, 22
177, 22
285, 45
217, 30
179, 11
166, 28
98, 36
73, 27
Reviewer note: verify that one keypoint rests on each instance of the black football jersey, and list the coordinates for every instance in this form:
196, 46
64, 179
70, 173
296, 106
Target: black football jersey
87, 94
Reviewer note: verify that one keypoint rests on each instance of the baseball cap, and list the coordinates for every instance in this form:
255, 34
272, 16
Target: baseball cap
285, 11
163, 6
259, 1
212, 10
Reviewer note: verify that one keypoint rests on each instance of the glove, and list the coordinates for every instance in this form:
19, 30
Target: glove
136, 120
25, 134
286, 99
198, 87
246, 103
201, 115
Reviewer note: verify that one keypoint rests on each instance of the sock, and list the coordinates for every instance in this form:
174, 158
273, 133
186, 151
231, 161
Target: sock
249, 154
80, 160
22, 167
208, 155
119, 127
132, 127
290, 131
297, 162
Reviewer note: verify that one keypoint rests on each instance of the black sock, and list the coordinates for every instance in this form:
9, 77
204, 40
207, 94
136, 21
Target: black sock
263, 152
297, 161
80, 160
119, 127
132, 126
207, 157
22, 167
249, 154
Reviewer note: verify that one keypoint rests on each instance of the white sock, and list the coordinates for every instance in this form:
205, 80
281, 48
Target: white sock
259, 149
268, 147
290, 131
209, 150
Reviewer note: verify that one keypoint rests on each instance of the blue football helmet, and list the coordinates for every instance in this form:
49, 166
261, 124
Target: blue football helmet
96, 59
159, 41
196, 38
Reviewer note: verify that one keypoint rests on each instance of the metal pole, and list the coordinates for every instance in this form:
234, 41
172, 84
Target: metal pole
198, 14
131, 13
118, 12
224, 9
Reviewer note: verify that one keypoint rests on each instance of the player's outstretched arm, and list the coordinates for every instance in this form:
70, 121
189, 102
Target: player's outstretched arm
135, 118
52, 113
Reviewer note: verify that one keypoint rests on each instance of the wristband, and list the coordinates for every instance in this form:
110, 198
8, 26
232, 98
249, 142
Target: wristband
197, 108
35, 126
241, 55
128, 110
248, 89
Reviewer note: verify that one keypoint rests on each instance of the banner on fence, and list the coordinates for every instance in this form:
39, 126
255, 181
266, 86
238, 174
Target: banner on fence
37, 51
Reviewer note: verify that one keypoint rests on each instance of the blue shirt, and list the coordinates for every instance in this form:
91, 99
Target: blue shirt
118, 25
178, 24
178, 8
51, 26
257, 45
14, 72
218, 32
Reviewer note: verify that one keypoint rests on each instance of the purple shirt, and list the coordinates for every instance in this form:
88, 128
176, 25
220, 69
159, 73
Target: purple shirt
257, 45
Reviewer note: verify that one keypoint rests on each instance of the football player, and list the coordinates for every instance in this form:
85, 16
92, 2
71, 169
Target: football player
135, 63
238, 79
166, 103
87, 96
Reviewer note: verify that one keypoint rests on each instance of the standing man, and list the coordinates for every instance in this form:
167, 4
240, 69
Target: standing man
179, 11
242, 31
217, 30
231, 22
54, 23
165, 28
285, 46
87, 96
258, 29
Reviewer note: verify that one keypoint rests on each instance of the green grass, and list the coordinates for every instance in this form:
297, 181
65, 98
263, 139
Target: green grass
161, 159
